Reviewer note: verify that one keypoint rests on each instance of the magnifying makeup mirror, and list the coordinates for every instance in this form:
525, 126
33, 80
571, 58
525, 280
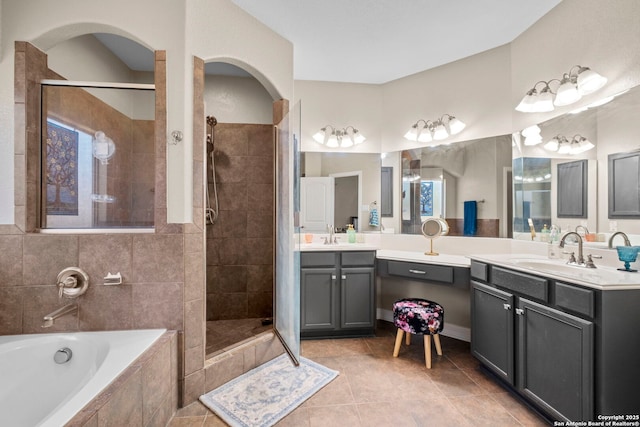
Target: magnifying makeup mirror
432, 228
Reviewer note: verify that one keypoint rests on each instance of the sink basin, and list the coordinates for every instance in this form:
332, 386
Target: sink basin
555, 267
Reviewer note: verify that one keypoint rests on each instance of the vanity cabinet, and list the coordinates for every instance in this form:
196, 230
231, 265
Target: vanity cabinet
337, 293
529, 332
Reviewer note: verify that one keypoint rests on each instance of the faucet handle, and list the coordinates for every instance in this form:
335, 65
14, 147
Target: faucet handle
572, 257
589, 263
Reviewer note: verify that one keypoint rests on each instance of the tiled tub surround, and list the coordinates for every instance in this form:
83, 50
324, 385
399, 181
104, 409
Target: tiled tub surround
145, 394
95, 360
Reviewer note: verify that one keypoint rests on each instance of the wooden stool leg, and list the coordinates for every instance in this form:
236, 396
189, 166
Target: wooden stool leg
396, 349
427, 350
436, 340
407, 339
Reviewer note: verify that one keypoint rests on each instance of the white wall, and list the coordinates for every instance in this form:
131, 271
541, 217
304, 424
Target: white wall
237, 100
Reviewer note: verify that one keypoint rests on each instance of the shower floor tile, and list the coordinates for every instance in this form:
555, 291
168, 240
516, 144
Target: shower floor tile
224, 333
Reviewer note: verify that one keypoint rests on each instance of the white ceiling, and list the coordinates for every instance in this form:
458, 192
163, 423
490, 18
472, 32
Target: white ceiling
375, 41
372, 41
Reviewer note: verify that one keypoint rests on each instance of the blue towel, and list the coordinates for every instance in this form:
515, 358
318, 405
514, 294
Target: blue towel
373, 217
470, 216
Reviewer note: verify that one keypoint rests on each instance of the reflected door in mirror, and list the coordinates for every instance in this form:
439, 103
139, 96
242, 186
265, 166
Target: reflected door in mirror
316, 203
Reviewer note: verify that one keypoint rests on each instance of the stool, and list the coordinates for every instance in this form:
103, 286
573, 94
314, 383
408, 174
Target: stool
418, 316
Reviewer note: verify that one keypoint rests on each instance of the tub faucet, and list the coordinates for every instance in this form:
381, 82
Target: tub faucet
624, 236
580, 260
51, 317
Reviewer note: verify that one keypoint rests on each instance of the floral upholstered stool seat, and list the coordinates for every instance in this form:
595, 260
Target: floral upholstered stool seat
418, 316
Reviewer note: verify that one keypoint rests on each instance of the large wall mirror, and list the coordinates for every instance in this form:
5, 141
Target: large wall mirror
554, 186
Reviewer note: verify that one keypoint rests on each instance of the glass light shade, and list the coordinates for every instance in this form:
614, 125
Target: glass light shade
319, 136
552, 145
528, 102
589, 81
333, 141
531, 130
346, 140
425, 135
582, 145
532, 140
358, 138
564, 148
567, 93
456, 126
440, 132
544, 103
412, 134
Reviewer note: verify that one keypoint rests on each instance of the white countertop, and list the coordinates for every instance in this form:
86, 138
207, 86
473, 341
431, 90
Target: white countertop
319, 247
412, 256
602, 277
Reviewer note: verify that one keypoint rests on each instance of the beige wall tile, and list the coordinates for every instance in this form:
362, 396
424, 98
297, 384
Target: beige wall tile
61, 252
125, 405
157, 305
105, 308
158, 258
107, 253
193, 387
11, 260
156, 382
194, 327
11, 310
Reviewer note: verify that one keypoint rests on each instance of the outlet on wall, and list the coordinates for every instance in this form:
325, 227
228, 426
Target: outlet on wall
613, 226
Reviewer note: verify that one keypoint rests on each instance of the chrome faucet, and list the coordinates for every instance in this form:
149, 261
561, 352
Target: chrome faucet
332, 239
51, 317
624, 236
580, 260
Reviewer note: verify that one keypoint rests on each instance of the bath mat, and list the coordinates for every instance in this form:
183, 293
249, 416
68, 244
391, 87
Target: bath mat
266, 394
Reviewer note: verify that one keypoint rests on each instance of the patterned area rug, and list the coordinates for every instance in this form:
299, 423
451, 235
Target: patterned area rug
266, 394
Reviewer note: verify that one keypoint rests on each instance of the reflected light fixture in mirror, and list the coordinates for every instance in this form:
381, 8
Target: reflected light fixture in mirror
344, 137
576, 83
561, 145
427, 130
532, 135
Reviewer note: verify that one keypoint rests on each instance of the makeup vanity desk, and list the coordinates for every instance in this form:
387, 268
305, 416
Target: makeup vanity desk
444, 269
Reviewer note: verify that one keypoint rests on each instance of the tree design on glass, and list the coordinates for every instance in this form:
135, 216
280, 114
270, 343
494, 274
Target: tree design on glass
62, 170
426, 198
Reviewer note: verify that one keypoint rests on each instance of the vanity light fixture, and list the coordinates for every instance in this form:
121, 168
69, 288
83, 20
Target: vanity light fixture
579, 81
334, 138
442, 128
562, 145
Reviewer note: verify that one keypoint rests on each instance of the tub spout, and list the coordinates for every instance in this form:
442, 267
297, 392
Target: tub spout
51, 317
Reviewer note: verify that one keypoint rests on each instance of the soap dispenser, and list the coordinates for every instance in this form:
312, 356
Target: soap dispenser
351, 234
544, 234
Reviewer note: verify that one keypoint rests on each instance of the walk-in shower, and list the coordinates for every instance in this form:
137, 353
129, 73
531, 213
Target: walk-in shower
239, 208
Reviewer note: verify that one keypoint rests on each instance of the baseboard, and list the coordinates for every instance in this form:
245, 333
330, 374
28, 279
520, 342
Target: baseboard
453, 331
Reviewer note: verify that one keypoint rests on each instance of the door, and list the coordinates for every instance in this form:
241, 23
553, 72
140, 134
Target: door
319, 299
357, 292
286, 301
556, 360
492, 339
316, 203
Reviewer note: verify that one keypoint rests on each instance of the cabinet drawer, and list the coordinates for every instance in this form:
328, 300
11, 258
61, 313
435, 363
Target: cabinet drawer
354, 258
428, 272
317, 259
479, 270
533, 286
575, 299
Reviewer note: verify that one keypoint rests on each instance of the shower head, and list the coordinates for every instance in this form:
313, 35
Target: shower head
212, 121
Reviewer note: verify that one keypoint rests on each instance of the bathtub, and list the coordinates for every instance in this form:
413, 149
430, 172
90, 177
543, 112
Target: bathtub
37, 391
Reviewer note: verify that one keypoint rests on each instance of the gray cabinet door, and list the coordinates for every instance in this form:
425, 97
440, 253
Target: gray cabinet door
572, 189
555, 366
318, 299
357, 289
624, 185
492, 337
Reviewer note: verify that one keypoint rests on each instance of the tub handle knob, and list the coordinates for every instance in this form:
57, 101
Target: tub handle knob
63, 355
72, 282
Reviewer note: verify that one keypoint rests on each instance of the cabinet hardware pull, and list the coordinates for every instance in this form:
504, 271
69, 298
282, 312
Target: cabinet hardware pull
333, 277
519, 311
507, 306
344, 277
417, 272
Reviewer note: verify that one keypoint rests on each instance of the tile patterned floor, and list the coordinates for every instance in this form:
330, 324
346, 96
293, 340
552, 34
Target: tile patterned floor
374, 389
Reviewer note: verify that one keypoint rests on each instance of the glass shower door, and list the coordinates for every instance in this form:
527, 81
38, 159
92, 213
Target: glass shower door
286, 304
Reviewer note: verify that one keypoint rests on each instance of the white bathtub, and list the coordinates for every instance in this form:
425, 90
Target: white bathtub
36, 391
